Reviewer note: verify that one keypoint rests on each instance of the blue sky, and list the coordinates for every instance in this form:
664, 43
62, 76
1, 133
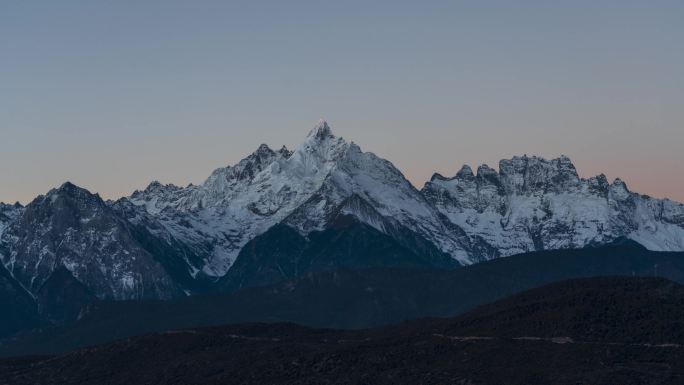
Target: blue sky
114, 94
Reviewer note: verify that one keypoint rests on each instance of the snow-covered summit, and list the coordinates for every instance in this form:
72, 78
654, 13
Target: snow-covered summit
529, 203
237, 203
320, 131
532, 203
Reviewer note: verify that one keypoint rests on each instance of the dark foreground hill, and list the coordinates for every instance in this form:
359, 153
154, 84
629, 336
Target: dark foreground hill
350, 298
589, 331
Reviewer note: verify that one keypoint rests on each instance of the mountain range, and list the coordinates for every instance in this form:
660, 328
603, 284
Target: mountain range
280, 214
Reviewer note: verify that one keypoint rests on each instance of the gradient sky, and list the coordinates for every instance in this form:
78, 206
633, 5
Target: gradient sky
113, 94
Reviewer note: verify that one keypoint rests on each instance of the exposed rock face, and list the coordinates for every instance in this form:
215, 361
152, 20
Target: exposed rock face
8, 214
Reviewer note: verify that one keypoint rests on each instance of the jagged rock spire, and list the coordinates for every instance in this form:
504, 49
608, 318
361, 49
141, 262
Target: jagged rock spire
465, 172
321, 130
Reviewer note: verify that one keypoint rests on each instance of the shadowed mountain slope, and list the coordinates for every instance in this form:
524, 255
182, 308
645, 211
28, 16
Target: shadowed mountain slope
17, 308
282, 253
518, 342
352, 298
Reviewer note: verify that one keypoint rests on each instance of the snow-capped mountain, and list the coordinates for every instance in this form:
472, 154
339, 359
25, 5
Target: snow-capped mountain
530, 204
168, 240
74, 229
303, 188
536, 204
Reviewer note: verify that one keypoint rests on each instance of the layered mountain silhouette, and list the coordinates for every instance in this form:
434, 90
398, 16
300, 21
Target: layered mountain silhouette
351, 298
588, 331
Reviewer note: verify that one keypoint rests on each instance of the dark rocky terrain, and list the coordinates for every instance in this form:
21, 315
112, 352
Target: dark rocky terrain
588, 331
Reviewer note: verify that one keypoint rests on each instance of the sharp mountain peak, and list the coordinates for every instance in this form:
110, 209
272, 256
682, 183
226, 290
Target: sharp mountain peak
530, 203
